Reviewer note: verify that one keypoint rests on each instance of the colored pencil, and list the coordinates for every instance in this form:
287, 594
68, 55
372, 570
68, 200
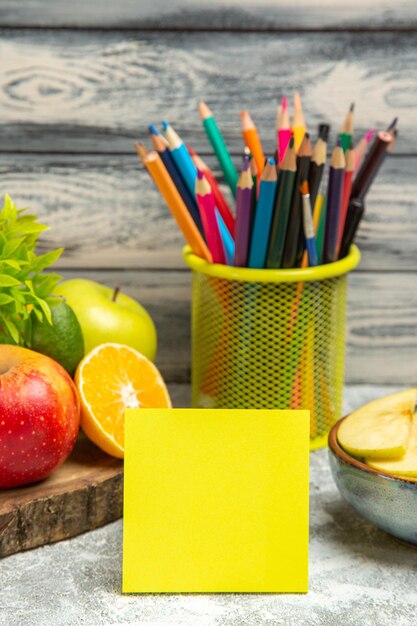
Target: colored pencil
252, 141
243, 215
219, 198
318, 161
181, 157
392, 130
346, 130
298, 125
166, 157
285, 187
355, 213
324, 131
371, 164
334, 203
255, 180
219, 146
283, 129
294, 244
319, 213
361, 148
153, 163
347, 187
263, 216
227, 239
308, 225
207, 208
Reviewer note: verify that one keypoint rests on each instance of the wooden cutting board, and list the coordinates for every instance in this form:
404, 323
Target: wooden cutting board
84, 493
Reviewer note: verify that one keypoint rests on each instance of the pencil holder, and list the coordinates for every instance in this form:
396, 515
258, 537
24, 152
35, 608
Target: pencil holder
270, 338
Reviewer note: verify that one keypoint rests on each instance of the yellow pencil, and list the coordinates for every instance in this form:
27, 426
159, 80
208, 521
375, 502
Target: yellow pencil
298, 125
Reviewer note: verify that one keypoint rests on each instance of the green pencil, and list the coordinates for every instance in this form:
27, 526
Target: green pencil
217, 142
346, 130
286, 178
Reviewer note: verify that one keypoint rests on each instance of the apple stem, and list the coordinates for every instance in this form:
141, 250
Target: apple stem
115, 294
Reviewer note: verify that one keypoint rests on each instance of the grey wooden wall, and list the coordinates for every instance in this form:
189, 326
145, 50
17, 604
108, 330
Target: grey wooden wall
81, 79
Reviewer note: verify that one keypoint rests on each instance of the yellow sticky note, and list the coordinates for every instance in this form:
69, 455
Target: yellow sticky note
215, 501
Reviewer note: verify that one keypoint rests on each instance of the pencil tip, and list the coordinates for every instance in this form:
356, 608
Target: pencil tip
284, 102
304, 188
291, 144
339, 142
369, 135
393, 123
164, 125
352, 107
200, 175
153, 129
204, 110
271, 161
245, 163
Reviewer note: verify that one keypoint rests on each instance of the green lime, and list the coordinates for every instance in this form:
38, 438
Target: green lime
63, 341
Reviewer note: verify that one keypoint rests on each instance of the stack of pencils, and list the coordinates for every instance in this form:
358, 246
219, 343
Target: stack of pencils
292, 208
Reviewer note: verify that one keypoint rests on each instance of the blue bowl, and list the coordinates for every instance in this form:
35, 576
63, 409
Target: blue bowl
385, 500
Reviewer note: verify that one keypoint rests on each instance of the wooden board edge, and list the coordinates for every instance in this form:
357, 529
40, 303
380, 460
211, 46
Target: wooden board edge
63, 516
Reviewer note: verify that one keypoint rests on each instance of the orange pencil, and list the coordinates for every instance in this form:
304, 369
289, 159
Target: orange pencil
252, 141
153, 163
298, 125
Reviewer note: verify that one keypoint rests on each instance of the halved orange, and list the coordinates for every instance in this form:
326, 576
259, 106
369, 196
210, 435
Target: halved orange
112, 378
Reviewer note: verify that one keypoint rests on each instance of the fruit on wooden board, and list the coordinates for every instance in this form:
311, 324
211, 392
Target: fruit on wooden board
106, 315
379, 429
111, 378
39, 415
63, 339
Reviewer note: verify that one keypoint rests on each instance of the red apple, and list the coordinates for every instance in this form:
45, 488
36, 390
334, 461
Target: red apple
39, 416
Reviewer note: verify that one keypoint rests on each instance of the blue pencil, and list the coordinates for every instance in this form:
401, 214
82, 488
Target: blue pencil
308, 226
227, 239
263, 216
190, 201
181, 157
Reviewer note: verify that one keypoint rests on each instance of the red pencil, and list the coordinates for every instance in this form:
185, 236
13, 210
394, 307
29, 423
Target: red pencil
347, 187
207, 207
219, 198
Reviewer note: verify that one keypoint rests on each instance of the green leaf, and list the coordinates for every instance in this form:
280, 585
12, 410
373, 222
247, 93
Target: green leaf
11, 327
12, 263
8, 281
5, 299
45, 284
45, 260
28, 228
45, 309
11, 246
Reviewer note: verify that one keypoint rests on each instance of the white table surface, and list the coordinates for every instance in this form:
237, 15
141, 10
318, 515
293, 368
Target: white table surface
358, 575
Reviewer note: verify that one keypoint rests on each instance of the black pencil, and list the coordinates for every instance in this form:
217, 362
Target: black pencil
294, 244
318, 161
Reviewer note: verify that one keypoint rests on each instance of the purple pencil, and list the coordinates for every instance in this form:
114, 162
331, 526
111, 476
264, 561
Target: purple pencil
334, 203
243, 215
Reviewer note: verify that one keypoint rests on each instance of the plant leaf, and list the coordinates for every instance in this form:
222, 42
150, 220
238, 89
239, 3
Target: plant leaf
5, 299
11, 327
45, 260
8, 281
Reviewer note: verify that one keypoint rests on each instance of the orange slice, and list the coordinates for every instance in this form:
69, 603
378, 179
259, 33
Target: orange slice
112, 378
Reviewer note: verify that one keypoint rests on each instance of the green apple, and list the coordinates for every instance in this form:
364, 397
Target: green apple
379, 429
108, 316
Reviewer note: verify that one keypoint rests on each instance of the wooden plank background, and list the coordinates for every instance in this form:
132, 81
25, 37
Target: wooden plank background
80, 81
